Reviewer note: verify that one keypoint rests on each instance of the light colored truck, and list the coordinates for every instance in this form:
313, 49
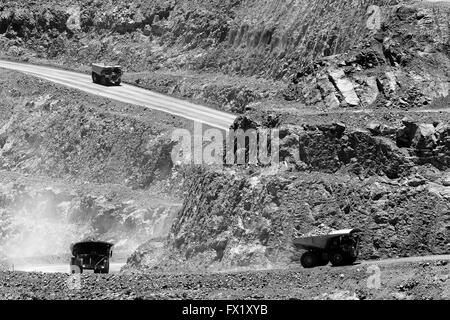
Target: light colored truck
340, 247
106, 74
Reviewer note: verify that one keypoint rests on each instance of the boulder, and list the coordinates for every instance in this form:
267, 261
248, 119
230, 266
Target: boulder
345, 87
244, 123
339, 127
374, 128
336, 128
425, 137
446, 180
416, 182
405, 135
441, 129
387, 130
407, 122
420, 136
377, 128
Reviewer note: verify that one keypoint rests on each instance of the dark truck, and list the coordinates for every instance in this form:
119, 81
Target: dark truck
106, 74
339, 247
90, 255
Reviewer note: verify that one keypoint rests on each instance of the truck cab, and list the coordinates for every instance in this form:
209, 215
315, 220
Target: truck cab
106, 74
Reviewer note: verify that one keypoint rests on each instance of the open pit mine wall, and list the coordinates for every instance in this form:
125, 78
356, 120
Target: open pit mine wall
397, 52
274, 38
230, 220
41, 223
233, 219
403, 64
248, 37
50, 143
57, 136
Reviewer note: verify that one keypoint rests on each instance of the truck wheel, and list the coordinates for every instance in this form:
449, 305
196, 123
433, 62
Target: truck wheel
309, 260
102, 80
323, 262
337, 259
351, 260
75, 269
94, 78
118, 82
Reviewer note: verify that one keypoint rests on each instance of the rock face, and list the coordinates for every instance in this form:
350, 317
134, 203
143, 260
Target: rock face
381, 150
37, 222
245, 37
57, 135
69, 170
422, 136
387, 68
324, 149
344, 86
428, 142
329, 54
232, 221
328, 175
332, 53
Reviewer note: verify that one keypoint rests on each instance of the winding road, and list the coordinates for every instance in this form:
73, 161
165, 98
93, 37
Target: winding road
127, 94
142, 97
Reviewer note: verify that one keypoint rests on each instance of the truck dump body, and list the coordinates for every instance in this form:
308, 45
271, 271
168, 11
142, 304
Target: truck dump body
339, 246
91, 255
311, 242
320, 241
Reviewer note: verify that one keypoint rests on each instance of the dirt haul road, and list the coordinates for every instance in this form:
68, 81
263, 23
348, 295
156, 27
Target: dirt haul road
128, 94
116, 266
62, 268
395, 280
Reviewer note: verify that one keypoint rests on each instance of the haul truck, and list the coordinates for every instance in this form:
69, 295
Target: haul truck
339, 247
90, 255
106, 74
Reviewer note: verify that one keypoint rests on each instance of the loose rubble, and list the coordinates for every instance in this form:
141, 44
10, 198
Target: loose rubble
399, 281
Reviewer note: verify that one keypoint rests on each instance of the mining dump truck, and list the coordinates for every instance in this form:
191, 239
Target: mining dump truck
106, 74
340, 247
90, 255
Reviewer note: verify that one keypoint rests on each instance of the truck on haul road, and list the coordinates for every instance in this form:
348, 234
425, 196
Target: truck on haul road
106, 74
90, 255
340, 247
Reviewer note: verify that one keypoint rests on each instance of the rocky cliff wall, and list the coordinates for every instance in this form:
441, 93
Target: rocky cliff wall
230, 221
390, 182
57, 133
267, 38
332, 53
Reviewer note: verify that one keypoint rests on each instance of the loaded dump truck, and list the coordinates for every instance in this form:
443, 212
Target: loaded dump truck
106, 74
340, 247
90, 255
